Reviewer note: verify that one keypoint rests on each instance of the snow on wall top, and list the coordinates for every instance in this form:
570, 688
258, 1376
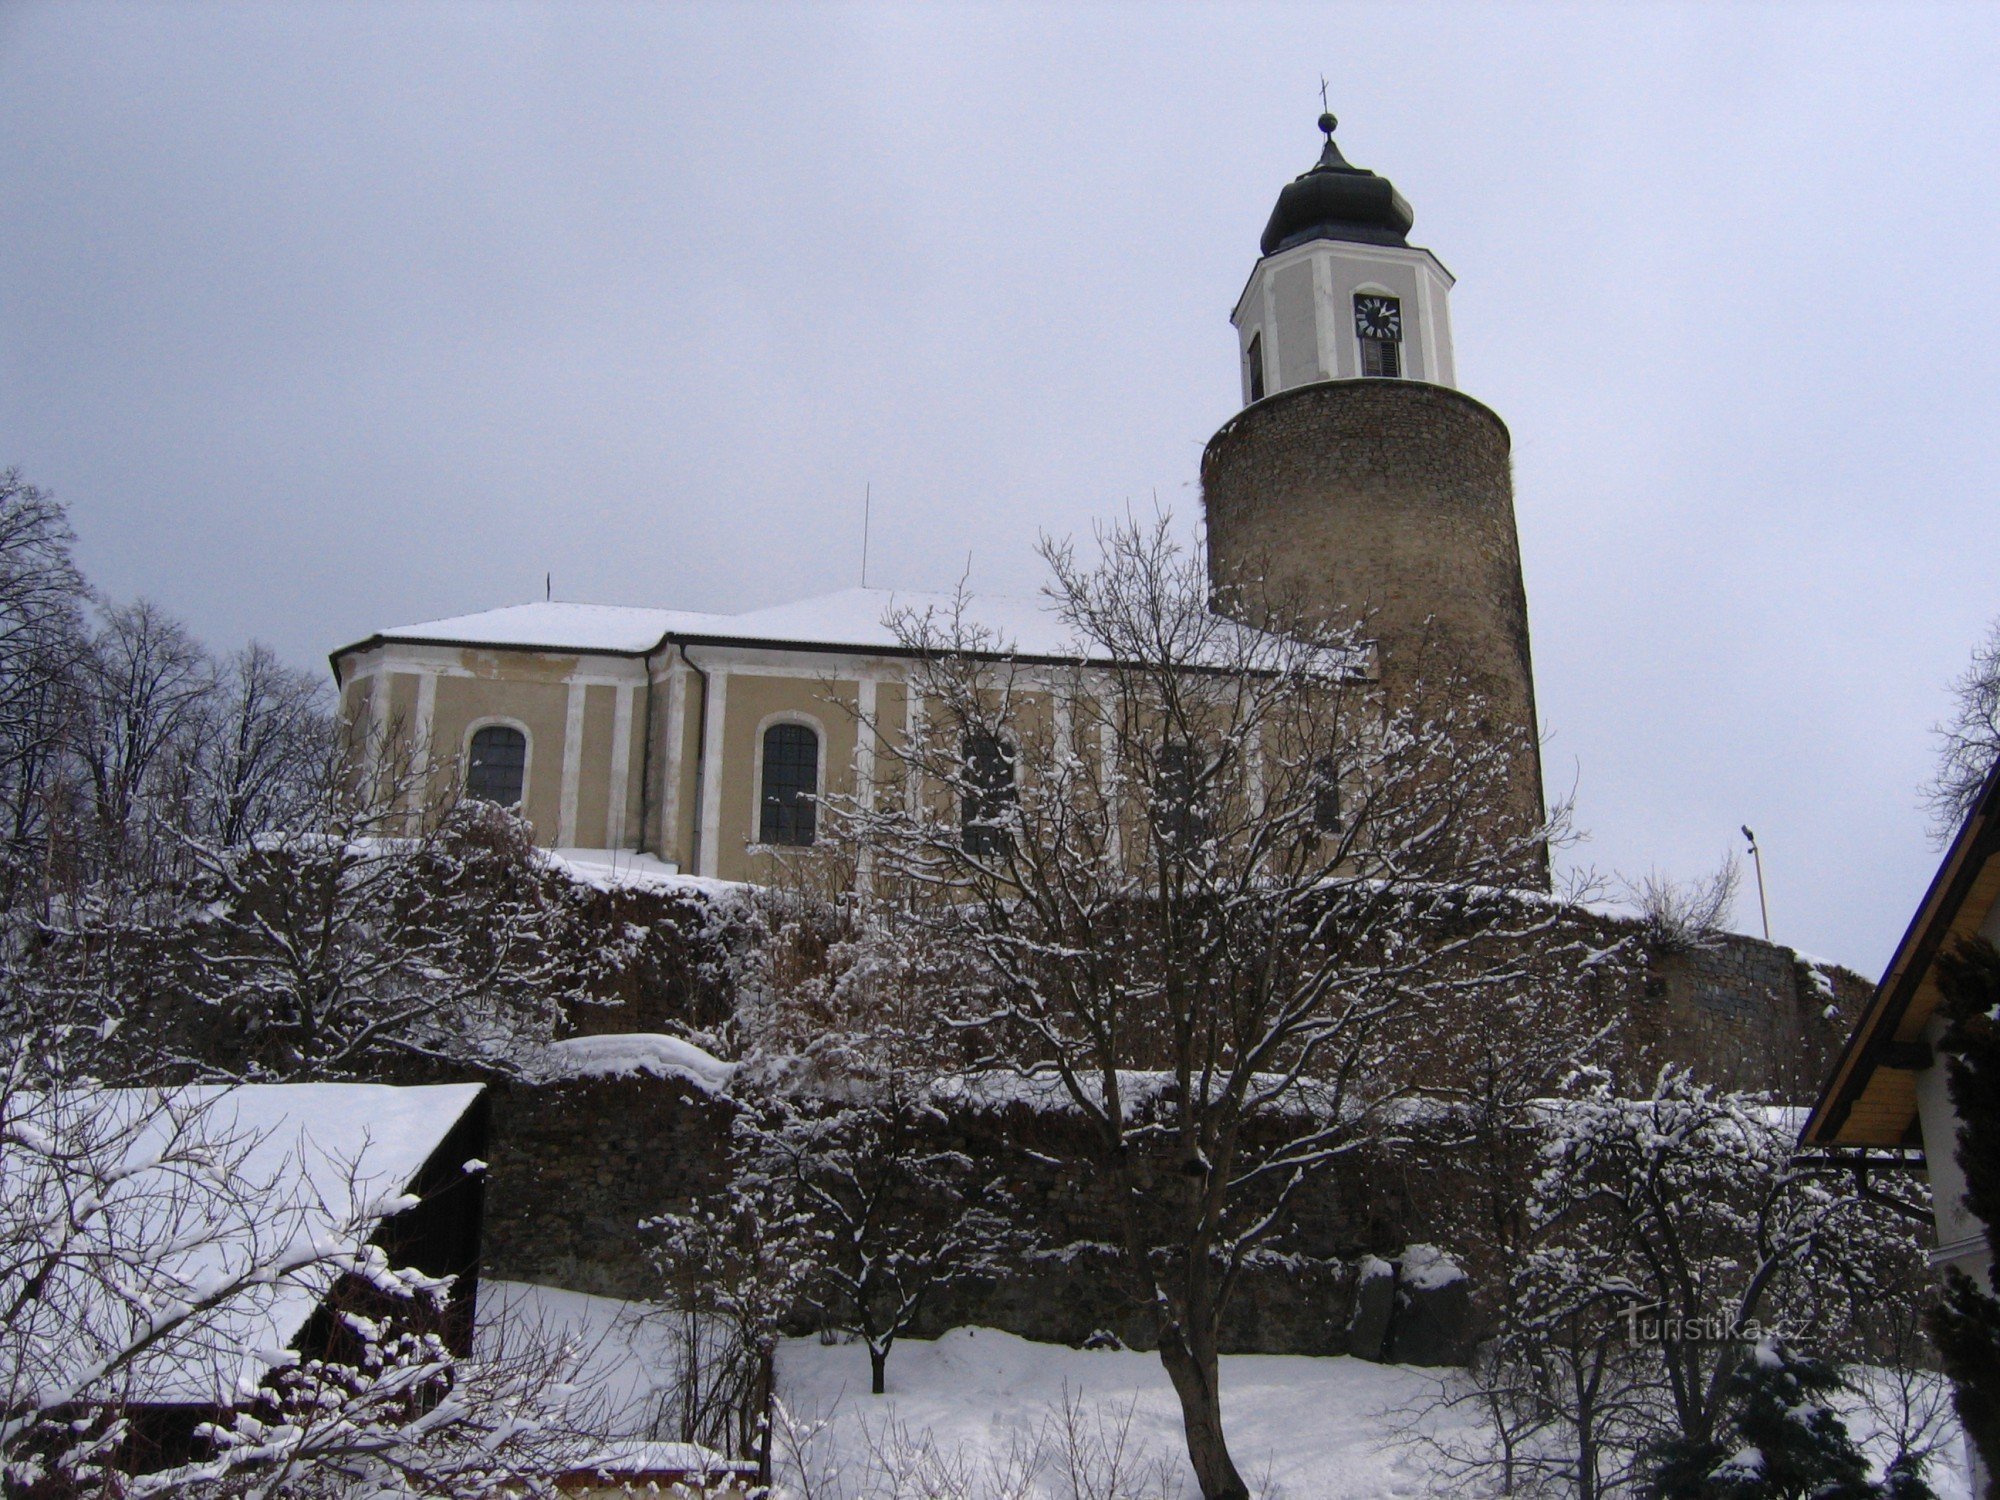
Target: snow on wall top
314, 1168
856, 618
630, 1053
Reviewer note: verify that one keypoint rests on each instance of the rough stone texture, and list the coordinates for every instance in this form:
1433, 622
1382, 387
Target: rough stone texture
1374, 1304
1433, 1319
577, 1166
1389, 502
1747, 1014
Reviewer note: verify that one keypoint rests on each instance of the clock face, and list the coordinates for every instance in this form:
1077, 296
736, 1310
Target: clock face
1378, 318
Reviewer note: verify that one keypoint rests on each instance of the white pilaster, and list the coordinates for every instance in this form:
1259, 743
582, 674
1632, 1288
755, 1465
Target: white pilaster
621, 767
1107, 775
420, 735
375, 754
864, 773
670, 763
572, 767
711, 771
913, 725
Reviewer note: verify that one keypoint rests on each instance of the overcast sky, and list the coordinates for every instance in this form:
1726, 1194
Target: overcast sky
328, 318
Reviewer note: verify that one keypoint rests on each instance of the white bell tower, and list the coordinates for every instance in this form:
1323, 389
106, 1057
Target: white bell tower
1339, 293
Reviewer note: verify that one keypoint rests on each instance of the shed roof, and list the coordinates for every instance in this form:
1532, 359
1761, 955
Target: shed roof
1871, 1099
316, 1167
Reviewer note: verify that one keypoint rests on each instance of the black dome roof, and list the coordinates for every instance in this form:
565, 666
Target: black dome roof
1335, 201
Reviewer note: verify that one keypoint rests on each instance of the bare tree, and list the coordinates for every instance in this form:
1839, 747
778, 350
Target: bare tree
41, 640
1968, 740
1670, 1234
1199, 889
1680, 916
839, 1122
366, 945
264, 742
145, 691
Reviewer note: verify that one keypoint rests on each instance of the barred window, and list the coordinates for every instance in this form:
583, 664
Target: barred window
1326, 795
1179, 815
497, 765
791, 781
985, 824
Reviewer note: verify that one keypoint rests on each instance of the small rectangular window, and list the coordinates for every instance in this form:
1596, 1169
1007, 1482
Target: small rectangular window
1254, 356
1381, 358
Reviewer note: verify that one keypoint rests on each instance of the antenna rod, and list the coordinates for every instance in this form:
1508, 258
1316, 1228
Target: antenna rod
867, 505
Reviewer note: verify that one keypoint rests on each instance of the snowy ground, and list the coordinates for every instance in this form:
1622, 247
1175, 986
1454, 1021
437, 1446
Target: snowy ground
1299, 1428
969, 1406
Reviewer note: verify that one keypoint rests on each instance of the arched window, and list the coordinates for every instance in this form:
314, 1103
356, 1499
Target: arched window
986, 827
497, 765
791, 781
1378, 324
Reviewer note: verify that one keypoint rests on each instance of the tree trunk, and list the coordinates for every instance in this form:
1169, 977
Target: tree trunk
878, 1359
1196, 1383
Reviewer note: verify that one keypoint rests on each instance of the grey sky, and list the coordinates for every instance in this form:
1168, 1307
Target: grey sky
325, 318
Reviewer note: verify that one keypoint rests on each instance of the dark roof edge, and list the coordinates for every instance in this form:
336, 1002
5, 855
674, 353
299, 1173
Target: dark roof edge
1977, 839
677, 638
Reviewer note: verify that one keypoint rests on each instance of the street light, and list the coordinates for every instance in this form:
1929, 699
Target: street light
1757, 858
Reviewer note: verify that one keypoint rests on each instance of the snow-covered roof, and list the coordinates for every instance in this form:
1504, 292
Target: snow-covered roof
313, 1169
856, 619
864, 620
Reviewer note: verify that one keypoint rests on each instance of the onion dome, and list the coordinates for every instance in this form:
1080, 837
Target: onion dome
1335, 201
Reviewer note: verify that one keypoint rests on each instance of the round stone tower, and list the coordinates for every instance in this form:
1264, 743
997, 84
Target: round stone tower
1358, 485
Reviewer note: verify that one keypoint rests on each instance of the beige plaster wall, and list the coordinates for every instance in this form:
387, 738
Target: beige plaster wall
539, 707
753, 703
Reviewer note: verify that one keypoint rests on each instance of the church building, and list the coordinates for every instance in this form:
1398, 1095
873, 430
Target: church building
1358, 483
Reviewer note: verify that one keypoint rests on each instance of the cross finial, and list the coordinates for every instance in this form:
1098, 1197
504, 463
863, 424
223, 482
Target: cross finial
1326, 119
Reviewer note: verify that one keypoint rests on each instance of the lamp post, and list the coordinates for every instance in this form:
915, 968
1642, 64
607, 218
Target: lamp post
1757, 859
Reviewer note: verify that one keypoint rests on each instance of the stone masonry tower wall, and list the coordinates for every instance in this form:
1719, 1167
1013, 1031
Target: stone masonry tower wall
1389, 501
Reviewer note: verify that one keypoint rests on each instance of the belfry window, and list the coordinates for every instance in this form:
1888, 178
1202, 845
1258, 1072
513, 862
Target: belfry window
496, 765
791, 781
1253, 359
1378, 327
985, 824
